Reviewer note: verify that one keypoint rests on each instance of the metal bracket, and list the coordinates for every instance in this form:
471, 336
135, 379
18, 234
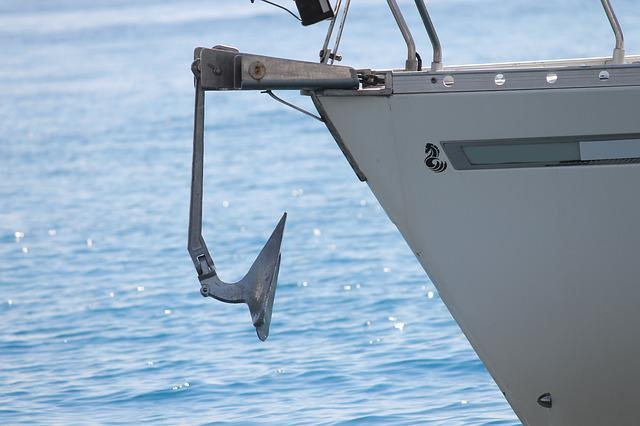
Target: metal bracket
225, 68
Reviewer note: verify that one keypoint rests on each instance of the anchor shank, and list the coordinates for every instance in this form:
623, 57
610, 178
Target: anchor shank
196, 245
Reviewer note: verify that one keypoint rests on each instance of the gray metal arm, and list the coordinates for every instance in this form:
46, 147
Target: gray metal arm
618, 51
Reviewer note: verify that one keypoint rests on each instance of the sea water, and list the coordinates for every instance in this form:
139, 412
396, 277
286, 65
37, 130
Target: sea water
101, 316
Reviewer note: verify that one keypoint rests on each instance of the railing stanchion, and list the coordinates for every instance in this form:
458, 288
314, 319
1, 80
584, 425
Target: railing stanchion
436, 64
412, 61
618, 51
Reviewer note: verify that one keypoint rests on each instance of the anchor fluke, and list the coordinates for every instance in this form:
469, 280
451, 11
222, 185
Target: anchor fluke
258, 287
263, 279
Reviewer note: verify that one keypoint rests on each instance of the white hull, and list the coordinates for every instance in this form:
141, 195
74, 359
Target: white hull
538, 265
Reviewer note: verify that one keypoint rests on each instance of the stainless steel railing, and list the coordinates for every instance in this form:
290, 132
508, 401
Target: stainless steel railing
618, 51
411, 63
436, 63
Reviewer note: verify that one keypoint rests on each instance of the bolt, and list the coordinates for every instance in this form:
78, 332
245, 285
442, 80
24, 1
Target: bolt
215, 70
204, 290
257, 70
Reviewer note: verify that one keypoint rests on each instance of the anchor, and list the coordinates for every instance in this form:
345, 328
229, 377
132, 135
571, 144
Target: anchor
257, 288
225, 68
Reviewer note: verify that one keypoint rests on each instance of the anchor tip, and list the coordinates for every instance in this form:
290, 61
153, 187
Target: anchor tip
283, 219
262, 332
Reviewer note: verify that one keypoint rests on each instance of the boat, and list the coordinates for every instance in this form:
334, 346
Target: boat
514, 184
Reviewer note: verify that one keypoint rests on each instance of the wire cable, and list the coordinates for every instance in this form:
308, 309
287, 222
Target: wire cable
281, 7
297, 108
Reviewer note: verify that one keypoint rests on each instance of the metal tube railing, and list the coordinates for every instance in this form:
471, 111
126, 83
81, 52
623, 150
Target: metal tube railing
618, 51
412, 61
340, 29
324, 53
436, 64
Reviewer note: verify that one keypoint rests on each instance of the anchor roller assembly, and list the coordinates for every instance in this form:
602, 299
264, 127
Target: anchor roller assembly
224, 68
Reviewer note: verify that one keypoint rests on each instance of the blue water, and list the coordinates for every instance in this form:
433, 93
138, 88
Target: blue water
101, 318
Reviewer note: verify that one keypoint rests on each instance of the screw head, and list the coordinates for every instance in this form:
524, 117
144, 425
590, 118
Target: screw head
204, 290
257, 70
